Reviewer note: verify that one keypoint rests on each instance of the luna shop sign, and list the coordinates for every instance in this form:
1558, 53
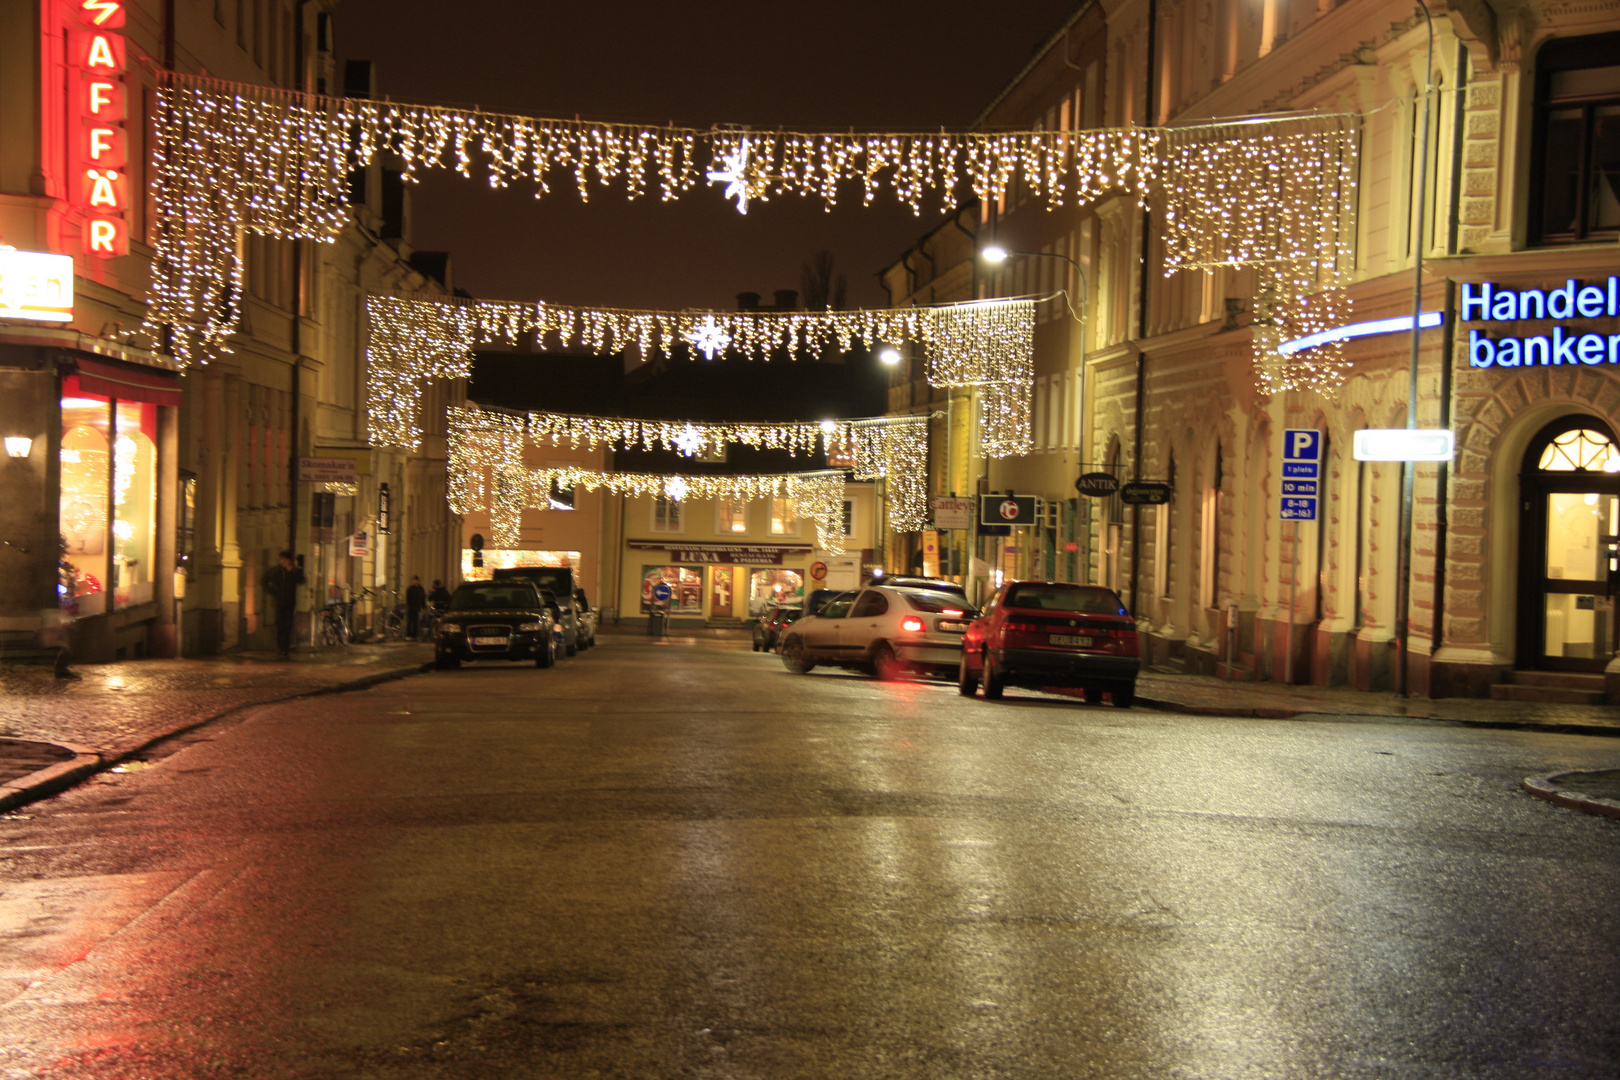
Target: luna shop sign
1488, 302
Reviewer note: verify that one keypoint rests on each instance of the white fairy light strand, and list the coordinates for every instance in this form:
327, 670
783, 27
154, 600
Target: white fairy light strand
985, 343
486, 472
233, 159
893, 448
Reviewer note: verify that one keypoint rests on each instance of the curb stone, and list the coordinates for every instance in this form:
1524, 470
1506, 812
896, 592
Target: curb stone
87, 762
1277, 713
52, 778
1546, 787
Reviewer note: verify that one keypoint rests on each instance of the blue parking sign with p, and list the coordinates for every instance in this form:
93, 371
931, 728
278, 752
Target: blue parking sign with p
1301, 470
1302, 444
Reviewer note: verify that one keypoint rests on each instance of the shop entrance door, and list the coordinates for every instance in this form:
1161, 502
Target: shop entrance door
1570, 548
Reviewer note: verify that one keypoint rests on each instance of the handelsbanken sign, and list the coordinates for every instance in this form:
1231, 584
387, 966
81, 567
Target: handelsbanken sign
1488, 302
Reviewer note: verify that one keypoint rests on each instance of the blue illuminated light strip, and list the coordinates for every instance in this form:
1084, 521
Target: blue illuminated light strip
1361, 329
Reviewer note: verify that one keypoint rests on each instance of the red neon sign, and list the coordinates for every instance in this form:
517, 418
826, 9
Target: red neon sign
99, 147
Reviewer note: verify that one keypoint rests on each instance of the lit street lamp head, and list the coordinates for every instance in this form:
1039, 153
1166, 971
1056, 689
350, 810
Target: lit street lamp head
889, 355
993, 253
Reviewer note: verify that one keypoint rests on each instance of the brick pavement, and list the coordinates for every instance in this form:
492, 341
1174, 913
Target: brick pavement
115, 709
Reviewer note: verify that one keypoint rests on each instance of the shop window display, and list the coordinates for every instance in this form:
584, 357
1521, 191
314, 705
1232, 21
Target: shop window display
774, 586
83, 512
507, 558
134, 503
685, 584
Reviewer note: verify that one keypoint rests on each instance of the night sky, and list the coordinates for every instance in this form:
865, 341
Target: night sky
835, 64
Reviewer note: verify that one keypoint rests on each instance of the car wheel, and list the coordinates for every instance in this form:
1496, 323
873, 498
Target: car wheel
885, 665
1093, 695
571, 650
967, 683
993, 683
546, 657
793, 657
1124, 695
447, 663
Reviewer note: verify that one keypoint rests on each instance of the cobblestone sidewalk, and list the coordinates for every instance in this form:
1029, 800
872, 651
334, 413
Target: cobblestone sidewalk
1204, 695
116, 708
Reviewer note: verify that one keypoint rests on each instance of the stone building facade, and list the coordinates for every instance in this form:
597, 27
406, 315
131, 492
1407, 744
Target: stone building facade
152, 498
1513, 550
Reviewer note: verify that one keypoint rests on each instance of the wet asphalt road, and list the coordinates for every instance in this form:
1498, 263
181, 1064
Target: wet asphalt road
684, 862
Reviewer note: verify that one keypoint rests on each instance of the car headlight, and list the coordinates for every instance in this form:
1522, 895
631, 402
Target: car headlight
530, 627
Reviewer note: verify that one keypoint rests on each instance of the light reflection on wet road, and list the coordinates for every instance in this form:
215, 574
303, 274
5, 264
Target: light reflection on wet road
656, 862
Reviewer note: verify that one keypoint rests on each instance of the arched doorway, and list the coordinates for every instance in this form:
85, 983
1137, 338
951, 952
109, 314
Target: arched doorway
1569, 547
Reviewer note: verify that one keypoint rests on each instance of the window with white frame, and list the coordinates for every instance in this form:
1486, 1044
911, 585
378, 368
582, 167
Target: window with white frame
784, 517
732, 516
666, 515
849, 517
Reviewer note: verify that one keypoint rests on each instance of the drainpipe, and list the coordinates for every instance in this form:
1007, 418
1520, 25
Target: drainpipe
1151, 116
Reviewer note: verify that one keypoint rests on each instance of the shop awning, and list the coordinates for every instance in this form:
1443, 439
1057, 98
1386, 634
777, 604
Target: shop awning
125, 382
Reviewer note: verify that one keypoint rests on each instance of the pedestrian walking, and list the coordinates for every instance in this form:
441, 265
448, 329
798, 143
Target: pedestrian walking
281, 582
415, 601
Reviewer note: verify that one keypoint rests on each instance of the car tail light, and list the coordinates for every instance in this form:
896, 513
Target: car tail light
1014, 634
911, 623
952, 612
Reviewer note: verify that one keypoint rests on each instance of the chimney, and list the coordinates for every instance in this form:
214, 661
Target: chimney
787, 300
748, 301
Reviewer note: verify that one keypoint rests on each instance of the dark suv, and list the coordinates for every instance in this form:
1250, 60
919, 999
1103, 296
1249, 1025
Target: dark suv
495, 620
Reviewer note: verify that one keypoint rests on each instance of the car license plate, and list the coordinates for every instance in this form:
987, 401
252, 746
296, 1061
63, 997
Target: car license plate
489, 641
953, 626
1078, 641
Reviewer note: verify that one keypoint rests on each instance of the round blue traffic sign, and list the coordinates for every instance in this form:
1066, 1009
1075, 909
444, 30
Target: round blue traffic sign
662, 592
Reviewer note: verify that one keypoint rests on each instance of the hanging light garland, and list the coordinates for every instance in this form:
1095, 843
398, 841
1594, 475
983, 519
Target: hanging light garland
486, 472
233, 159
1281, 199
986, 343
894, 448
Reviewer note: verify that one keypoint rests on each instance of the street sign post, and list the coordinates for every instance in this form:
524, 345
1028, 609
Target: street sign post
1301, 475
662, 592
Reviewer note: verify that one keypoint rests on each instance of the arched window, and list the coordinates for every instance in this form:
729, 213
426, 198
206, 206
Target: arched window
1576, 448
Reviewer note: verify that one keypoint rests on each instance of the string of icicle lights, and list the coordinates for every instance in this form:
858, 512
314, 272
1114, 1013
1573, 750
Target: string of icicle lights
894, 448
487, 472
988, 344
234, 158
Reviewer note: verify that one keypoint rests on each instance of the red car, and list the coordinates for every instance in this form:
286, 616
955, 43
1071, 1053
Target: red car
1037, 634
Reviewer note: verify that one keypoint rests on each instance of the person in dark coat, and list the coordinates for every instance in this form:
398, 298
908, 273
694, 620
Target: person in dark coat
415, 601
440, 596
282, 581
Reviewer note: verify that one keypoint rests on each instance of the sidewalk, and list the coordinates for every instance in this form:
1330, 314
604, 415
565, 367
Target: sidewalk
55, 731
1203, 695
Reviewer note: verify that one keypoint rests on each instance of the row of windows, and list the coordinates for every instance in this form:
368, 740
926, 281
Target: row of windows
266, 31
731, 516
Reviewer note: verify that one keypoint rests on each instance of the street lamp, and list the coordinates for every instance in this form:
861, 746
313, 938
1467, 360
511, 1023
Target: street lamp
889, 355
995, 255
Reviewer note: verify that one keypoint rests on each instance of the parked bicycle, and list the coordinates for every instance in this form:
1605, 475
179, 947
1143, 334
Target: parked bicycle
334, 628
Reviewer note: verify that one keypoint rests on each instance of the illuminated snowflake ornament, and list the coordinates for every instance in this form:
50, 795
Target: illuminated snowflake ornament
676, 489
709, 338
742, 178
689, 441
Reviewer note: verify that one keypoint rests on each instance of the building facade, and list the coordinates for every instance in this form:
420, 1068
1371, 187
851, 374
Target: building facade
1509, 573
149, 500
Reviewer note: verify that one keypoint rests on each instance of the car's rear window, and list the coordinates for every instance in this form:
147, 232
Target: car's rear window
491, 597
933, 601
1088, 601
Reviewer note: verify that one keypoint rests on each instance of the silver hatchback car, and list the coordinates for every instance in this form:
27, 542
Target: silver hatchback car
886, 631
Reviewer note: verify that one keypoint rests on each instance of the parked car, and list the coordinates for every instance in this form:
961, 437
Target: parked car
587, 620
1037, 634
770, 624
885, 631
568, 616
558, 581
496, 620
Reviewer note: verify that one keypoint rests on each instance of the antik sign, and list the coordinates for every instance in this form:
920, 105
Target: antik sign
1487, 302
